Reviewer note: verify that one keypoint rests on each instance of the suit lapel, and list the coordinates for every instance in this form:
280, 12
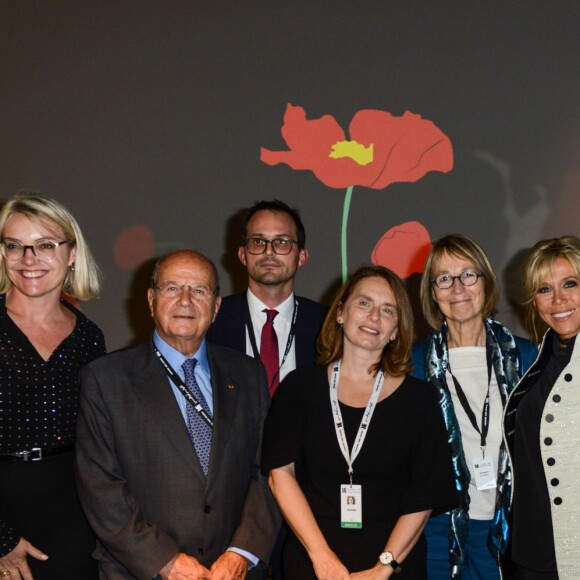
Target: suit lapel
154, 390
239, 328
303, 344
225, 399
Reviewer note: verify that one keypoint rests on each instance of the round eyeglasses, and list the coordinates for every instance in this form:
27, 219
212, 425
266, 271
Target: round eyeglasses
42, 249
281, 246
467, 278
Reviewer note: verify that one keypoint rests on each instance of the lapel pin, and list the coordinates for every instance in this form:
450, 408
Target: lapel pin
231, 387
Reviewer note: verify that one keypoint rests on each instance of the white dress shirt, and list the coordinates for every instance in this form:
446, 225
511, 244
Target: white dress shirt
282, 325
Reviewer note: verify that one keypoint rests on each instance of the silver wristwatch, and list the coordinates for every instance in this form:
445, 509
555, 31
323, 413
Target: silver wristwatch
387, 559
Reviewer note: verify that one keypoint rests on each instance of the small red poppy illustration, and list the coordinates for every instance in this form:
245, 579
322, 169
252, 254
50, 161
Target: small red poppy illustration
134, 246
404, 249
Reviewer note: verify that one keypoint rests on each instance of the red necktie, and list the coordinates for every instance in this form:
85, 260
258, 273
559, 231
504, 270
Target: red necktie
269, 351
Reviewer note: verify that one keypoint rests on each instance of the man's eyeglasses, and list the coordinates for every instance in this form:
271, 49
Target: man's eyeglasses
467, 278
281, 246
42, 249
197, 293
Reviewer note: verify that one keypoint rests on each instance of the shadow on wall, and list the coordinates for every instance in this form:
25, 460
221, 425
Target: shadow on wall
136, 304
513, 289
421, 328
327, 296
230, 261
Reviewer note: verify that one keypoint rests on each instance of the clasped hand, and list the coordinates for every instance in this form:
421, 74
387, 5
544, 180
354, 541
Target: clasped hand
327, 566
229, 566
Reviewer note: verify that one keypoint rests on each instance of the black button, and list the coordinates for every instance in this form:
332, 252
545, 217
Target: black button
558, 500
206, 509
567, 377
549, 418
548, 441
556, 398
200, 551
555, 482
551, 461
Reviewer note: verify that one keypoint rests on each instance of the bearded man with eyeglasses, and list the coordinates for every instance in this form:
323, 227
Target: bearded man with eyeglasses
272, 249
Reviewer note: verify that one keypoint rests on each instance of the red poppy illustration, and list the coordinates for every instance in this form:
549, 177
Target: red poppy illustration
381, 149
404, 249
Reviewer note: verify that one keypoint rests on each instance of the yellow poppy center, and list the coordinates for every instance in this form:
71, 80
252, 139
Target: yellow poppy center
353, 150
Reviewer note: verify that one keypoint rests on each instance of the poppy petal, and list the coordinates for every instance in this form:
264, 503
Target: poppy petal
403, 249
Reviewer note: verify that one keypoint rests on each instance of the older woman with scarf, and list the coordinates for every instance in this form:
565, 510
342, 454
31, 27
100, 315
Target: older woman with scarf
474, 363
541, 421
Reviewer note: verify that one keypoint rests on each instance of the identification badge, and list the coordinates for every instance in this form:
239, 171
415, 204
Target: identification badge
484, 473
350, 506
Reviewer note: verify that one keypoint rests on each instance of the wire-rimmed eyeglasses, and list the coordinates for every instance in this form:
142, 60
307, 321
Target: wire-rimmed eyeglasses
467, 278
43, 249
281, 246
172, 290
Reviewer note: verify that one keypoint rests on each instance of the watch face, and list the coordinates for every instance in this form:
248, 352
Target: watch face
386, 558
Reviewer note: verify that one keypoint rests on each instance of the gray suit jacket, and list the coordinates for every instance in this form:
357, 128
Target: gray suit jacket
139, 478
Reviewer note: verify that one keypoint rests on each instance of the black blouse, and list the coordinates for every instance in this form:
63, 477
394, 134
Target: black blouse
38, 398
404, 465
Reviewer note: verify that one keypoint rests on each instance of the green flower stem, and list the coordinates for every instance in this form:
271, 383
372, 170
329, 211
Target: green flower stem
345, 210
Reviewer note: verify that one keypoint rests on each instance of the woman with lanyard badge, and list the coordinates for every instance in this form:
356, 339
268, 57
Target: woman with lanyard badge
355, 448
474, 363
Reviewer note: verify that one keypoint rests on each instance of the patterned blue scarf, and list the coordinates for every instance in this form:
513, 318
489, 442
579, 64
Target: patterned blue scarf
504, 356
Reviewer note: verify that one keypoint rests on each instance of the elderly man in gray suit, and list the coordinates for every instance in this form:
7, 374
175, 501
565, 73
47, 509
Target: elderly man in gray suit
168, 444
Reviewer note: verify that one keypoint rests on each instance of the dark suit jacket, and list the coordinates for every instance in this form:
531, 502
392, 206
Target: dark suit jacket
139, 478
229, 328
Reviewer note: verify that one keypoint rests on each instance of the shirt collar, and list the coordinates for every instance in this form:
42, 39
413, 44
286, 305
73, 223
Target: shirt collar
256, 307
176, 358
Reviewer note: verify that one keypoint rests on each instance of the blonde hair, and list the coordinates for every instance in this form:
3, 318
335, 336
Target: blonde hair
463, 247
82, 283
396, 356
537, 262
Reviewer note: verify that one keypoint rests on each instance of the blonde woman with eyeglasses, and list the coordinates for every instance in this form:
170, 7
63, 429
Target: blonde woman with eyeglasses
44, 340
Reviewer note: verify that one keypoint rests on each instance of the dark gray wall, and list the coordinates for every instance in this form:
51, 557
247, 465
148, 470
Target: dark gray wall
153, 113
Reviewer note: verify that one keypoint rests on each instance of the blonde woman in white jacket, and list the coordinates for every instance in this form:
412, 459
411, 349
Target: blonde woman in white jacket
542, 421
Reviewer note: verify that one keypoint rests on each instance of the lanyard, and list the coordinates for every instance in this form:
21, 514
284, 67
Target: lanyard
468, 410
365, 421
178, 382
291, 334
